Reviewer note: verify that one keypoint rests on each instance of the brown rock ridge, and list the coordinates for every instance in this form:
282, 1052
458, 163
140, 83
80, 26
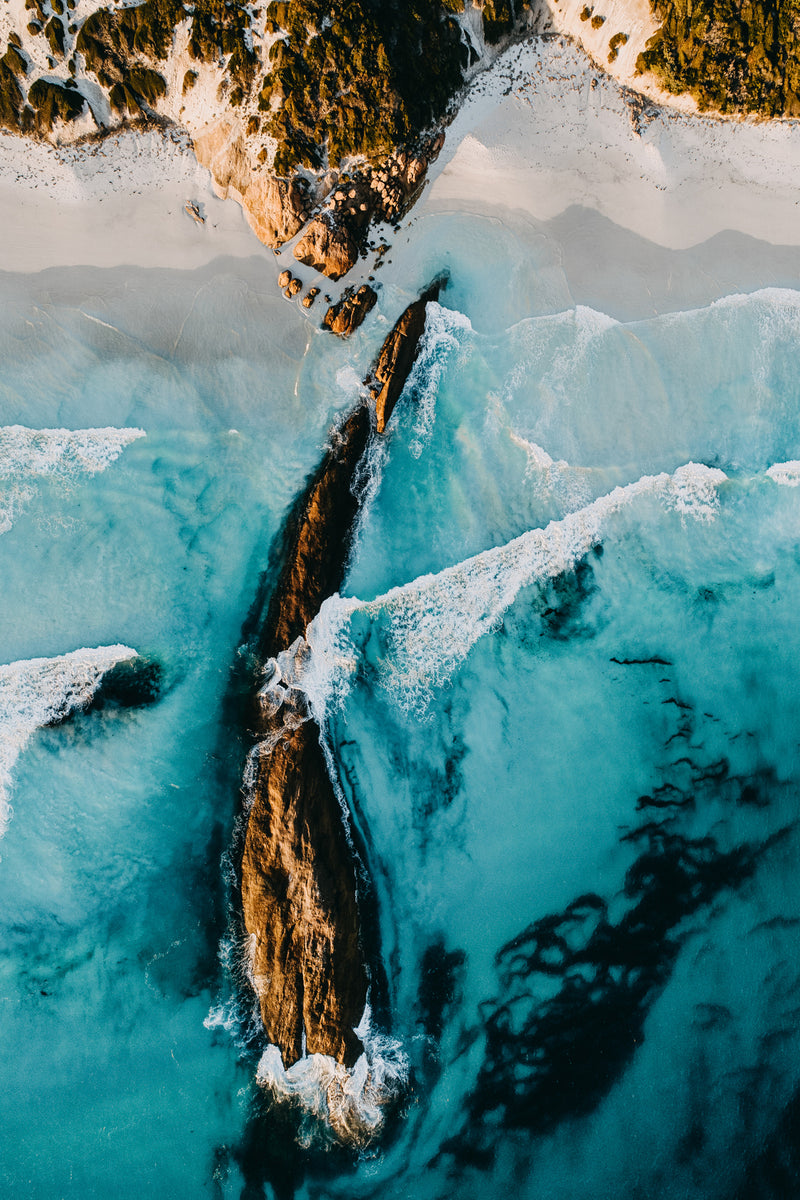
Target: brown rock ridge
397, 357
299, 900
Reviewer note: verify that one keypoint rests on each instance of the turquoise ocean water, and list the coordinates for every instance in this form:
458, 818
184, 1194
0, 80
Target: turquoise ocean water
561, 686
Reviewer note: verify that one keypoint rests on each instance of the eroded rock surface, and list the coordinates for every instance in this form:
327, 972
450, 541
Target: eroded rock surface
299, 897
328, 246
397, 356
299, 894
349, 312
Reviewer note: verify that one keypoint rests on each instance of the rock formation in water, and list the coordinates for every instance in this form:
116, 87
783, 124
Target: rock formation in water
298, 876
397, 357
350, 310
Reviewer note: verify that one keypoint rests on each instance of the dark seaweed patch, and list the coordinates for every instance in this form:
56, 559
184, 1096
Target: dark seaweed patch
130, 684
270, 1156
439, 975
565, 600
576, 987
775, 1173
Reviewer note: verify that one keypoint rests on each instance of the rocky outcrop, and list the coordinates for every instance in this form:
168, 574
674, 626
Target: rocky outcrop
328, 246
298, 875
298, 896
349, 312
276, 209
397, 356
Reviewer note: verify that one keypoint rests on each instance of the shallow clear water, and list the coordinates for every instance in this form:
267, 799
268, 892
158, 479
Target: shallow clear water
571, 754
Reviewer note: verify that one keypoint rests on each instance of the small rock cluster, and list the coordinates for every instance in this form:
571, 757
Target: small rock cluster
332, 241
345, 316
292, 286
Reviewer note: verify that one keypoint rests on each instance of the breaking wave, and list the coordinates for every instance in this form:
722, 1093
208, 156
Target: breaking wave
27, 455
445, 332
786, 473
43, 691
432, 623
352, 1102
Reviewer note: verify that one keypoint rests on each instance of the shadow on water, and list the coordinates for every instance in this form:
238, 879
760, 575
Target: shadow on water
271, 1156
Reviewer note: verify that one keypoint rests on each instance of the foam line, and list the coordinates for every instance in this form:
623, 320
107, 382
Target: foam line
352, 1102
787, 474
432, 623
42, 691
27, 455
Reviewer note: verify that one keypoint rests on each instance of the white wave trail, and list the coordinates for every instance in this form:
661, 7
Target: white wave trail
40, 691
353, 1102
445, 330
30, 454
433, 622
786, 473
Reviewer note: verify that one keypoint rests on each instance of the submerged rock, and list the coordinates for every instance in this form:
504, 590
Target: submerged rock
298, 874
349, 312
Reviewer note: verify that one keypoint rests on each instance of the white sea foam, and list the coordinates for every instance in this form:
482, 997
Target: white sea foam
40, 691
550, 349
351, 1101
786, 473
538, 458
569, 485
27, 455
348, 379
445, 332
430, 625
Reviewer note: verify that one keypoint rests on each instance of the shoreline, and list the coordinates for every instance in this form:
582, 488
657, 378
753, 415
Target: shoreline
542, 140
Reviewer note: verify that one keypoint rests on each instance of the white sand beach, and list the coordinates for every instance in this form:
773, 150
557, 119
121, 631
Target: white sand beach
544, 130
542, 137
120, 201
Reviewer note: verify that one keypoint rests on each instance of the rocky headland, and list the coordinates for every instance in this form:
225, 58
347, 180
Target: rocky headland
298, 874
322, 121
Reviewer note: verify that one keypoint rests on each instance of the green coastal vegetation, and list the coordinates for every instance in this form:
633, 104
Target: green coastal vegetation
357, 77
730, 56
343, 78
348, 78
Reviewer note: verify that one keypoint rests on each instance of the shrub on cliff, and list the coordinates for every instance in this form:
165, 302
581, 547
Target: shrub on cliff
54, 32
15, 61
731, 56
108, 39
359, 79
12, 101
52, 103
498, 19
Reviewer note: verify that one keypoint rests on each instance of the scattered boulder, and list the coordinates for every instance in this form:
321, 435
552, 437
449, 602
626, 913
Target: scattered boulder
328, 246
294, 287
345, 316
284, 279
310, 297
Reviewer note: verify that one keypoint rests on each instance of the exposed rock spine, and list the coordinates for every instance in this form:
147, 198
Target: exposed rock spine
299, 899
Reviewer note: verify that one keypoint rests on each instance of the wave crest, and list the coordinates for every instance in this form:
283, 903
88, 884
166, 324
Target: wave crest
43, 691
27, 455
428, 626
